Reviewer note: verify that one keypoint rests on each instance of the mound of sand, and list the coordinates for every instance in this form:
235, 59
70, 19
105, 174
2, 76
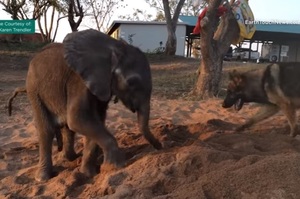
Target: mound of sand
202, 157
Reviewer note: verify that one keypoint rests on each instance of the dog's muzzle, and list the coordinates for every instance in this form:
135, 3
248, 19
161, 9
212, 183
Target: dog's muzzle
237, 102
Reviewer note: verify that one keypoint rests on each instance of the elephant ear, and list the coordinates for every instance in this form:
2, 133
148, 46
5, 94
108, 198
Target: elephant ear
90, 54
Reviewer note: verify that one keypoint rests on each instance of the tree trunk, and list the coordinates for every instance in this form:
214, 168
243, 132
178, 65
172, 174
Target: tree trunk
209, 77
171, 43
77, 8
214, 45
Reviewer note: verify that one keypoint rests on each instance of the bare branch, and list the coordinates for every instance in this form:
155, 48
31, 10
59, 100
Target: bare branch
75, 10
102, 12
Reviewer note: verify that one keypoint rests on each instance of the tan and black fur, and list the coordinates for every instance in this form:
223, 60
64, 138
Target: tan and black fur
276, 87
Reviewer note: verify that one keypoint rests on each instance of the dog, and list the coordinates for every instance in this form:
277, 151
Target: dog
276, 87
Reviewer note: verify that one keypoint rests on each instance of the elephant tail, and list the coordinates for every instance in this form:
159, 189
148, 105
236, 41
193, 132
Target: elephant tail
15, 93
9, 105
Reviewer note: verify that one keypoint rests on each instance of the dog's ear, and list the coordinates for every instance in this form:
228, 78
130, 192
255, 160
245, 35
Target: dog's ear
238, 78
233, 74
240, 81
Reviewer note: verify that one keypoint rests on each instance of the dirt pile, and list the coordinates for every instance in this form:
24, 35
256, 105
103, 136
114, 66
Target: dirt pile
202, 156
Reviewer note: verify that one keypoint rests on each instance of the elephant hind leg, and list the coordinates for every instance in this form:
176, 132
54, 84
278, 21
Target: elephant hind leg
46, 131
68, 137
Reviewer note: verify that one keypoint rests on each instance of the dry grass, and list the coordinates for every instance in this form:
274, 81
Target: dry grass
175, 77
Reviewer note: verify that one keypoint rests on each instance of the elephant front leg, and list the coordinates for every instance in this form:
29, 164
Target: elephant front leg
97, 134
113, 157
89, 158
92, 126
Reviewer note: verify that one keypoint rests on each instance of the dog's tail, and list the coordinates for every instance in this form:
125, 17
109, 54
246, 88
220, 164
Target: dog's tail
15, 93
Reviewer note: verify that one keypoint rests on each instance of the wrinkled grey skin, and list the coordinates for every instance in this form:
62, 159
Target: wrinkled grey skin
69, 86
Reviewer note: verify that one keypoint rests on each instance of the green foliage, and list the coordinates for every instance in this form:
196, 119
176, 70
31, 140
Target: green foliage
137, 15
187, 9
143, 15
160, 16
102, 12
158, 50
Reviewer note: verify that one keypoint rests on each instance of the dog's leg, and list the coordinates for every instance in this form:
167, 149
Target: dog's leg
290, 112
265, 112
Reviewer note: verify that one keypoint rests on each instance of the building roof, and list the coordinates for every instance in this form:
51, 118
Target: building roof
116, 24
189, 20
262, 26
265, 31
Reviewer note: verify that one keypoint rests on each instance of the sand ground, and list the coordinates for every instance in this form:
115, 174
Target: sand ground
202, 157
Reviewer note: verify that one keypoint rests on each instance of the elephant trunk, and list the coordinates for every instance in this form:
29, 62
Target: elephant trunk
143, 122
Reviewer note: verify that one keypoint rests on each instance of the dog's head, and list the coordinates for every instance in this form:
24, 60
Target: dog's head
235, 91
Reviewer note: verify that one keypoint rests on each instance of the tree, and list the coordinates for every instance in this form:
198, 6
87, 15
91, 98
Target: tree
102, 11
75, 10
171, 43
169, 10
216, 36
46, 27
21, 9
189, 8
13, 7
33, 9
137, 15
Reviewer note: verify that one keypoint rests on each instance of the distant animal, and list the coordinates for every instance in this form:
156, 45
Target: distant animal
69, 86
276, 87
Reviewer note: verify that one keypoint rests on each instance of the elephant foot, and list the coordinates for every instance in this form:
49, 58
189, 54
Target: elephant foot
156, 144
115, 159
43, 175
107, 167
293, 134
153, 141
70, 156
88, 170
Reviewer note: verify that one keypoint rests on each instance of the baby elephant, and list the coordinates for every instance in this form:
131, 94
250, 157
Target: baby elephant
69, 86
65, 138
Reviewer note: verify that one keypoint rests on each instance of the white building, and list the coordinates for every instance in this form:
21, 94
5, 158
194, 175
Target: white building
150, 37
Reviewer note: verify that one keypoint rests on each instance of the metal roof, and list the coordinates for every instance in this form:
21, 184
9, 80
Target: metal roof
265, 31
260, 26
189, 20
116, 24
284, 28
